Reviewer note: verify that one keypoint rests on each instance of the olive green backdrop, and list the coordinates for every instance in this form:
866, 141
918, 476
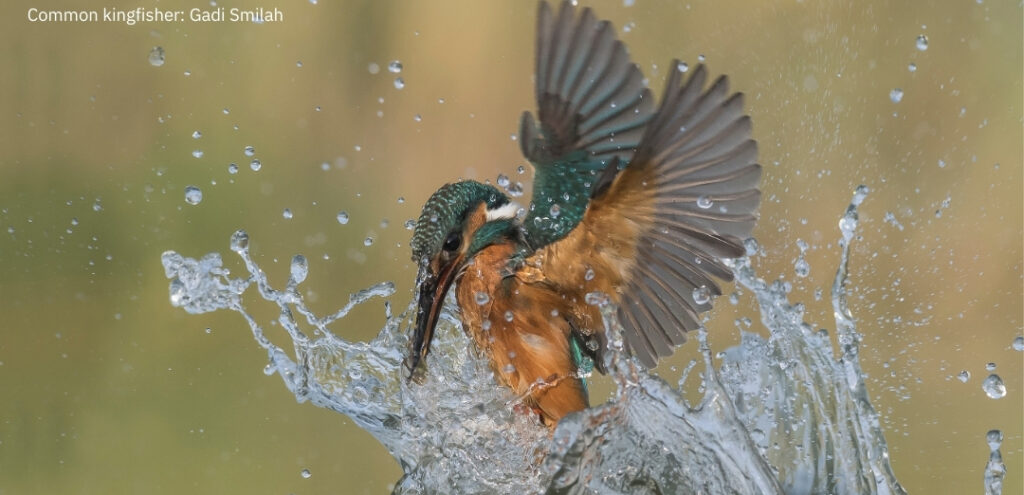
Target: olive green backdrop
105, 388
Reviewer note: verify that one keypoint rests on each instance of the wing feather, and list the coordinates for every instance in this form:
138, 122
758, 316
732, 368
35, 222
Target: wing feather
658, 234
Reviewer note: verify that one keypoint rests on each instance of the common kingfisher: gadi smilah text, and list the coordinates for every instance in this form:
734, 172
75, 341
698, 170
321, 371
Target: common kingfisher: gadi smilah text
638, 203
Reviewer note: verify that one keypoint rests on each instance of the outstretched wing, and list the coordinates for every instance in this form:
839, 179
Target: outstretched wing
592, 106
655, 239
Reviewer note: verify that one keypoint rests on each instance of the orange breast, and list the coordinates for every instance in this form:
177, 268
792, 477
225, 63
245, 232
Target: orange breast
523, 329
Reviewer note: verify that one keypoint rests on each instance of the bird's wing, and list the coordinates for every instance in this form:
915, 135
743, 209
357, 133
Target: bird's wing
592, 106
655, 238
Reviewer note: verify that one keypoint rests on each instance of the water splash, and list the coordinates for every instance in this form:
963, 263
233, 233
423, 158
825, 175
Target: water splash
995, 470
779, 415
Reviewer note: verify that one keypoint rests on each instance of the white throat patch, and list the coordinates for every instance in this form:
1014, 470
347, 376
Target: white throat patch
508, 211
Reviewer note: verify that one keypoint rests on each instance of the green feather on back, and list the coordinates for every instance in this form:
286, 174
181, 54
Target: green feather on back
560, 197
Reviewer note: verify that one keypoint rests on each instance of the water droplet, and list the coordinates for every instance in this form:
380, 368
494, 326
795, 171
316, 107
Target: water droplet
368, 241
232, 168
299, 269
485, 325
1018, 343
503, 181
942, 163
74, 221
269, 369
255, 165
399, 83
555, 210
801, 267
343, 217
994, 438
239, 241
912, 67
287, 214
520, 169
482, 298
589, 275
395, 67
922, 42
963, 376
515, 190
196, 134
305, 472
701, 295
682, 67
197, 153
97, 206
990, 367
410, 224
508, 369
509, 316
417, 118
373, 68
704, 202
896, 95
193, 195
156, 56
249, 151
993, 387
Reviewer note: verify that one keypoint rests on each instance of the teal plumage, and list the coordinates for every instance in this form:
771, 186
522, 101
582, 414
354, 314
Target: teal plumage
493, 231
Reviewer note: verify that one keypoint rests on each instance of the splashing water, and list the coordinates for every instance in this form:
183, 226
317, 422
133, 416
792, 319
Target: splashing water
995, 470
780, 415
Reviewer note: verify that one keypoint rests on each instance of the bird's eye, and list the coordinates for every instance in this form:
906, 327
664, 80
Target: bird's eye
452, 242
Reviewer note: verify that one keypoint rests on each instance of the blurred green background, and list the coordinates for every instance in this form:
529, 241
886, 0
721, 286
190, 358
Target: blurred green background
105, 388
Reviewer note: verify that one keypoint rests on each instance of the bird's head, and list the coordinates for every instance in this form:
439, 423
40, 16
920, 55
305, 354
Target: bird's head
457, 222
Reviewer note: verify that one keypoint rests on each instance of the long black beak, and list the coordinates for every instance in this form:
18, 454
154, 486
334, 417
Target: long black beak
433, 289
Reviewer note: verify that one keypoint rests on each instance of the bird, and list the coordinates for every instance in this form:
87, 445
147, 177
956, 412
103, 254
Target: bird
639, 202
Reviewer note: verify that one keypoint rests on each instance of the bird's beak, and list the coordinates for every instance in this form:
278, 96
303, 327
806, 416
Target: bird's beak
433, 288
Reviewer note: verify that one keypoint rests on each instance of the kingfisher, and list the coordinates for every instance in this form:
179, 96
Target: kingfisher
637, 202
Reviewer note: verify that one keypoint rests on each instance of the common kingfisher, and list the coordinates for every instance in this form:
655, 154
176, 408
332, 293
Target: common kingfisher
638, 203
